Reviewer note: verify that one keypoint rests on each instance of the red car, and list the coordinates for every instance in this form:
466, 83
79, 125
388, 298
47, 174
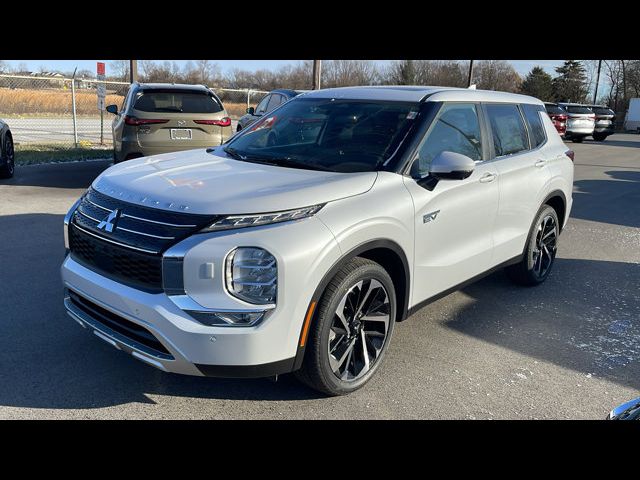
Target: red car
558, 117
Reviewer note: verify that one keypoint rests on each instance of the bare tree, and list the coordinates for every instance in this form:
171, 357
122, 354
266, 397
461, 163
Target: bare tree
341, 73
120, 69
497, 75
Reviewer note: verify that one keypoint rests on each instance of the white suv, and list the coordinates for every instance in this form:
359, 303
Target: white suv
298, 244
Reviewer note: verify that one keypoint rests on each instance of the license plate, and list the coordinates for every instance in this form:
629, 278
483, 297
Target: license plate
180, 134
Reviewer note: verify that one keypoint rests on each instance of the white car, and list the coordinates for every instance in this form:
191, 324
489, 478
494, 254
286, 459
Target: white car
298, 245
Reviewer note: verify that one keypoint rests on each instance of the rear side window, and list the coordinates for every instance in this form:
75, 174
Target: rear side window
509, 133
532, 114
455, 130
176, 101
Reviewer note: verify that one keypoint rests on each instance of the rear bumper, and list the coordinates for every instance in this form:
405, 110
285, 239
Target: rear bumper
135, 148
608, 130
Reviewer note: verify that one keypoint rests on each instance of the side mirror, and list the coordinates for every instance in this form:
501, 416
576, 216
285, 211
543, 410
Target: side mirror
451, 166
112, 109
251, 110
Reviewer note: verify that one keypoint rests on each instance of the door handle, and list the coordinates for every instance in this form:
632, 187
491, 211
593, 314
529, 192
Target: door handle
540, 163
488, 177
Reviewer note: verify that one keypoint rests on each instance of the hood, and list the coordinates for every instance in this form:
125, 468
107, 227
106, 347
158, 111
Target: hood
197, 181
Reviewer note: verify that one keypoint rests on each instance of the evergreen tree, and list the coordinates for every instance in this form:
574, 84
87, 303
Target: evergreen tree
539, 84
571, 83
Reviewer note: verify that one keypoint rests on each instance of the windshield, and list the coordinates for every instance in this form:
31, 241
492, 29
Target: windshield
327, 134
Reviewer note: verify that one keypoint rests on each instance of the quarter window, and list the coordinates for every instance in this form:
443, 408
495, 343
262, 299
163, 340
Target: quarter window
509, 133
532, 114
456, 129
275, 101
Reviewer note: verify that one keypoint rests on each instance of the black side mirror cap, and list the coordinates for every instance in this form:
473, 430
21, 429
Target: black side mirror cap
112, 109
251, 110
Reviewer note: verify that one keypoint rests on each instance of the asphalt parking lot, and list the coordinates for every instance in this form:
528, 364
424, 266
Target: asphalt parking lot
567, 349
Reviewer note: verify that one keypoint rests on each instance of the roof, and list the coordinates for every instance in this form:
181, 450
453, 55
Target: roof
416, 93
177, 86
288, 92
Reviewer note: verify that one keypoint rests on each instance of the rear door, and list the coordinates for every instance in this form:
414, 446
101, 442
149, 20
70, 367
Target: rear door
177, 118
518, 137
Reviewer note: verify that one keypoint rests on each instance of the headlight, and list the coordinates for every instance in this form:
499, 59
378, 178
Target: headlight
251, 274
240, 221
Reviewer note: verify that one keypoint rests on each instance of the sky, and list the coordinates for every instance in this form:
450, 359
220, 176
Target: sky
521, 66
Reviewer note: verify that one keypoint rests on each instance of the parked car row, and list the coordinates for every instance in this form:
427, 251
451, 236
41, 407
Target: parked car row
575, 121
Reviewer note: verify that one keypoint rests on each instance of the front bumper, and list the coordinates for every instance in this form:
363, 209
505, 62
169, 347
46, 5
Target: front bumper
192, 348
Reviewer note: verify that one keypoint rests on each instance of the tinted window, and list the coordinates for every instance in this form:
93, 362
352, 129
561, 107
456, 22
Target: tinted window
555, 110
456, 129
176, 101
262, 106
602, 111
576, 109
327, 134
276, 101
532, 114
509, 134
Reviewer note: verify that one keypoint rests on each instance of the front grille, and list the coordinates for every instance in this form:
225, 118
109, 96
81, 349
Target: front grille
134, 332
132, 252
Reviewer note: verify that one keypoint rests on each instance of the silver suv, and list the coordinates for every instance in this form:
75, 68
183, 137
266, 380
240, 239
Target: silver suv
300, 243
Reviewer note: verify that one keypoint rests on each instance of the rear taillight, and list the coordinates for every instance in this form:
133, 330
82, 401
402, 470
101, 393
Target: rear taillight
571, 154
223, 122
142, 121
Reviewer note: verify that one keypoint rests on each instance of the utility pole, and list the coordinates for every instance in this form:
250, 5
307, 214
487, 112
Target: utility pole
317, 73
470, 73
133, 71
595, 93
73, 106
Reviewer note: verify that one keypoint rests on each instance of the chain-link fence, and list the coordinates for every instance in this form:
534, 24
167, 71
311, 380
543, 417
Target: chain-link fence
60, 111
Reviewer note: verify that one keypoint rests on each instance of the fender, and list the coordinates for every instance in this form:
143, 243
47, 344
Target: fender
356, 251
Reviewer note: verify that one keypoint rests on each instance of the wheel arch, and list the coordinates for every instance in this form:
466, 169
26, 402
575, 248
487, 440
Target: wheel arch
385, 252
558, 201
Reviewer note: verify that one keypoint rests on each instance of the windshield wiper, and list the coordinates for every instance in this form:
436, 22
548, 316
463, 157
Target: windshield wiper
233, 153
289, 162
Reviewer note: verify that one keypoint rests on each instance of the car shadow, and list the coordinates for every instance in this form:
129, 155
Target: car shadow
615, 143
48, 361
585, 317
58, 175
613, 200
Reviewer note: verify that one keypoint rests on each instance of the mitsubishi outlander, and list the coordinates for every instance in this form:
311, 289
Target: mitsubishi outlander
297, 245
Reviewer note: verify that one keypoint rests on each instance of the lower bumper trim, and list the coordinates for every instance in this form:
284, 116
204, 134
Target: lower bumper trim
248, 371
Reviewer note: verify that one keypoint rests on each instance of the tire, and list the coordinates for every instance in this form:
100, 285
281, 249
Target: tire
341, 372
537, 263
577, 139
600, 137
8, 158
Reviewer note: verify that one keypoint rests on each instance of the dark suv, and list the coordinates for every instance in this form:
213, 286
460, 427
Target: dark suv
167, 117
605, 118
271, 101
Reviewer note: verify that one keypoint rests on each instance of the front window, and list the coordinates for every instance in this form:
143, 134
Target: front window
456, 129
327, 134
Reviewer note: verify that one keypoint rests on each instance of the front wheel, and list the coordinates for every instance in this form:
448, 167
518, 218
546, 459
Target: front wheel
352, 329
540, 253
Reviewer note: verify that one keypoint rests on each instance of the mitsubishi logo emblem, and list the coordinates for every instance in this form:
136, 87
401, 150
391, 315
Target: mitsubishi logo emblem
182, 123
109, 222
